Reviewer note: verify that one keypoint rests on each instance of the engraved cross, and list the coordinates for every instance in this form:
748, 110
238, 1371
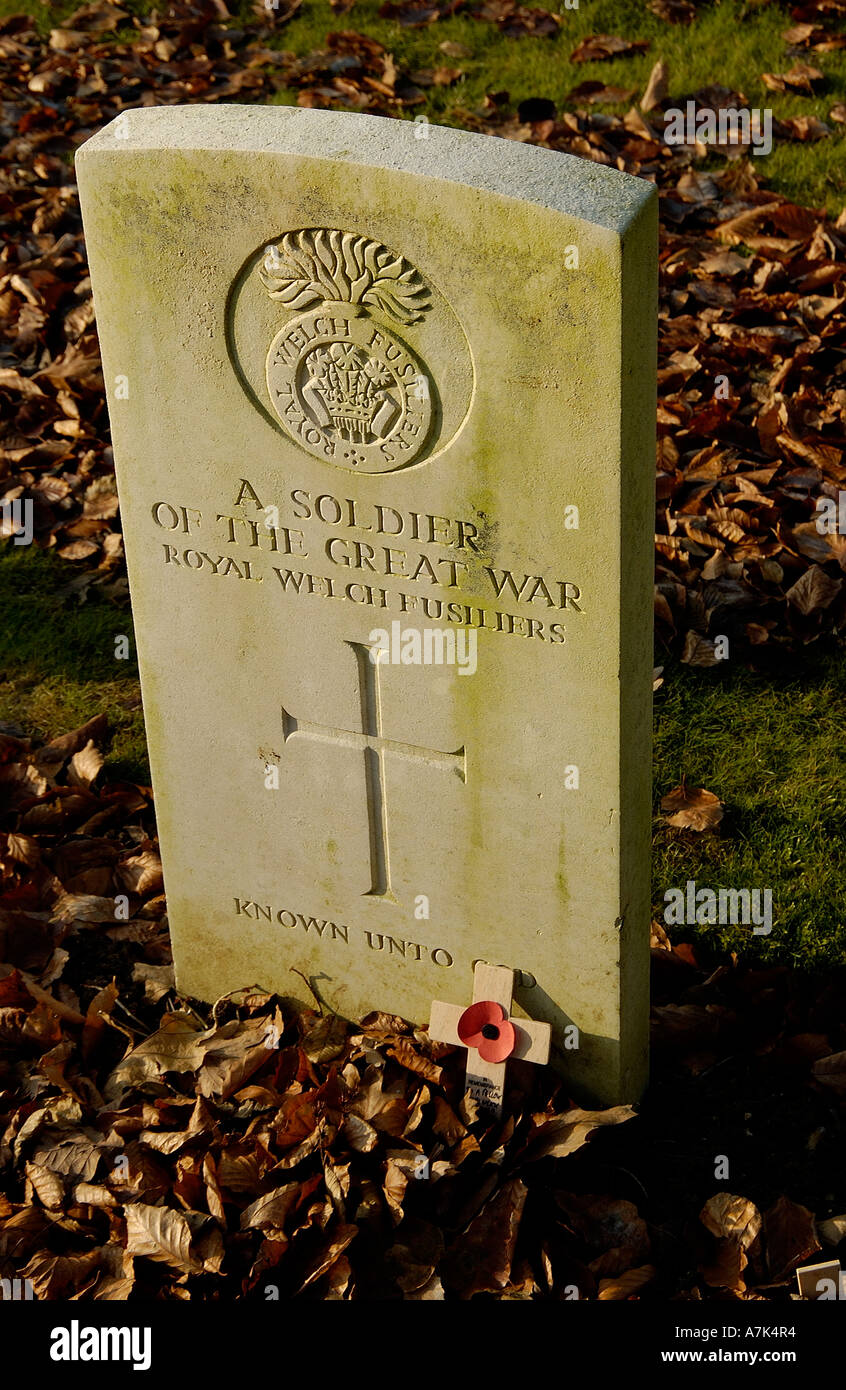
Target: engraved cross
375, 747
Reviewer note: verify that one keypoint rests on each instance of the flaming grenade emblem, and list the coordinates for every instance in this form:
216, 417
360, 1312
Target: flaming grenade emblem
345, 387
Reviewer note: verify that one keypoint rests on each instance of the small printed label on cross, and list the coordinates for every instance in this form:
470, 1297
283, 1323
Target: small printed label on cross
373, 744
490, 1035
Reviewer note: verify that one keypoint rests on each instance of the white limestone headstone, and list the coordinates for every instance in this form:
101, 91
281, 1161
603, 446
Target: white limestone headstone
383, 419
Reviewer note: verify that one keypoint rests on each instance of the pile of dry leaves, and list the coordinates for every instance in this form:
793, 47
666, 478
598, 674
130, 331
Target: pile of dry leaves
154, 1147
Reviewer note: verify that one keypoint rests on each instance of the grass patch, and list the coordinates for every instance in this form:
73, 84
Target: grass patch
772, 749
57, 659
731, 42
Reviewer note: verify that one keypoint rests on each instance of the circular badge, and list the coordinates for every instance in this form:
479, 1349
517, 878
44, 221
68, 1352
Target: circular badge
347, 389
348, 370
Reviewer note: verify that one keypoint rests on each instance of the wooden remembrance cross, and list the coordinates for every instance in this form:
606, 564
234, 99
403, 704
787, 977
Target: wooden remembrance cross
487, 1028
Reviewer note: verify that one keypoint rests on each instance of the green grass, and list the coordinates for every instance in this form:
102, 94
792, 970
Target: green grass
57, 659
772, 750
729, 42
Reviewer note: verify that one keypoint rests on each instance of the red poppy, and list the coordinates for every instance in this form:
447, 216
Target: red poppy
485, 1026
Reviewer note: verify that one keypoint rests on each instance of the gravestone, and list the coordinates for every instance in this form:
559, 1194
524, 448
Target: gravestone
382, 399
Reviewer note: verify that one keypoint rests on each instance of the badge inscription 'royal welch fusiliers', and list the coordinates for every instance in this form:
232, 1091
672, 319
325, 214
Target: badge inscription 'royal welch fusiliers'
343, 383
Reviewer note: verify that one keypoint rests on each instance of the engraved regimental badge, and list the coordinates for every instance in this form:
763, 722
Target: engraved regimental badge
342, 382
366, 365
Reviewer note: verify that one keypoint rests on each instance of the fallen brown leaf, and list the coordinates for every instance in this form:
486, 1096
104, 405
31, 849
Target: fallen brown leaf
790, 1235
627, 1284
692, 808
731, 1218
600, 46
